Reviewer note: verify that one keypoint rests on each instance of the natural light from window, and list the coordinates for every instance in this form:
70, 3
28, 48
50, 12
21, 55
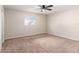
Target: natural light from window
30, 20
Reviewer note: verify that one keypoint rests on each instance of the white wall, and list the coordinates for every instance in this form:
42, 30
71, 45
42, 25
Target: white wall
1, 25
14, 24
64, 24
0, 29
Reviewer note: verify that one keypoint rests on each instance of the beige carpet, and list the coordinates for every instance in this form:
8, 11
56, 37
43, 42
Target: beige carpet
43, 43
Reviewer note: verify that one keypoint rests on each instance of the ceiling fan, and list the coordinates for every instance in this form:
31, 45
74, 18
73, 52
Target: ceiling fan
45, 7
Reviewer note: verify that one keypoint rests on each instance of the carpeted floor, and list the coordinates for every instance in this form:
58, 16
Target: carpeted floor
43, 43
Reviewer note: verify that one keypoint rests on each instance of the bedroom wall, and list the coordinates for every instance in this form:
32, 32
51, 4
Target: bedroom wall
64, 24
14, 24
0, 29
1, 25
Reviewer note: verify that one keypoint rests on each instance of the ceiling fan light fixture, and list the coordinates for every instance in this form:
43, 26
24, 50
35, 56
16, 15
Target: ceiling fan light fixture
46, 7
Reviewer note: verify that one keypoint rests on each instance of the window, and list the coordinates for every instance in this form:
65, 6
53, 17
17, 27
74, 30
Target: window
30, 20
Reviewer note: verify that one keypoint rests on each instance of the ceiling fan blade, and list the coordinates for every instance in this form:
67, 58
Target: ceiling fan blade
49, 9
50, 6
42, 6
